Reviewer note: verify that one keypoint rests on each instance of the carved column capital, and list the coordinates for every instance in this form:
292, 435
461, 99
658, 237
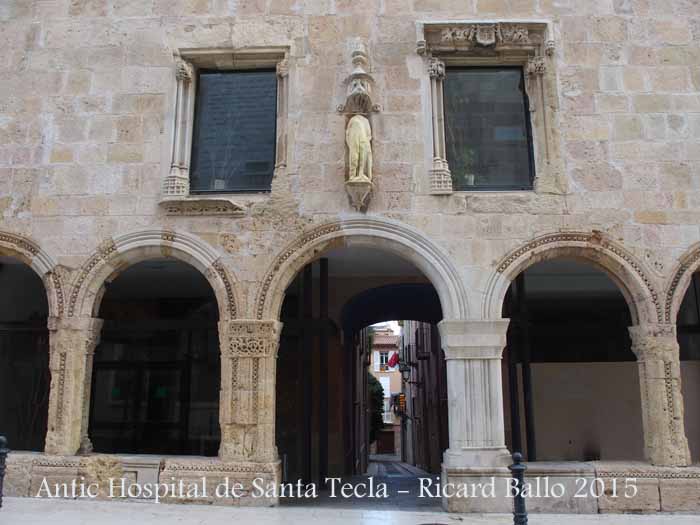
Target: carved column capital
536, 66
436, 68
654, 341
249, 337
183, 70
282, 68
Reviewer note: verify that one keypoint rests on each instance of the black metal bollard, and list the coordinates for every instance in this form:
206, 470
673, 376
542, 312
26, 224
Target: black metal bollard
518, 471
3, 457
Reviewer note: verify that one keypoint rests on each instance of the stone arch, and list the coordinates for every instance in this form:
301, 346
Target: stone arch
32, 255
115, 255
630, 275
373, 232
680, 280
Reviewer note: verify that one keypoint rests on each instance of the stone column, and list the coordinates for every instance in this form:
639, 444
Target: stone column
473, 351
247, 399
72, 344
657, 351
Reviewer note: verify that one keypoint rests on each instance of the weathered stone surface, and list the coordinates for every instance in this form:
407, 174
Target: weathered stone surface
88, 98
680, 495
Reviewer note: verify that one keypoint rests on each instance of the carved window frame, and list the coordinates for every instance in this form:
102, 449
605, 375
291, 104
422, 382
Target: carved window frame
176, 198
526, 44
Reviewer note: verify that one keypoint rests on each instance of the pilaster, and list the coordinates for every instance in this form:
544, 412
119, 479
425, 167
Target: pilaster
247, 403
473, 351
72, 346
658, 356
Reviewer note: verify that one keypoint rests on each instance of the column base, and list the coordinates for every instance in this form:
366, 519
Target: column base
476, 489
477, 457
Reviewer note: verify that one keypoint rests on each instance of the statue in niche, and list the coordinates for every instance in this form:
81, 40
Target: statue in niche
358, 137
358, 131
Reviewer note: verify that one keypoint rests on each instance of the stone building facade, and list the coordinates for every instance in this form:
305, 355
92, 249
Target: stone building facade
96, 102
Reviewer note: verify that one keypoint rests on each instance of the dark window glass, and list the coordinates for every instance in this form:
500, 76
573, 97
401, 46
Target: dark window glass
487, 129
233, 146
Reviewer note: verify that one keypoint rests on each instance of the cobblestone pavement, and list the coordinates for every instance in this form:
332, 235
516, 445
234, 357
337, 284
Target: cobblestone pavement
25, 511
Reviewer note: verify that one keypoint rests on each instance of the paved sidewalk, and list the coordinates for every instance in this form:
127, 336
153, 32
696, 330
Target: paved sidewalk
25, 511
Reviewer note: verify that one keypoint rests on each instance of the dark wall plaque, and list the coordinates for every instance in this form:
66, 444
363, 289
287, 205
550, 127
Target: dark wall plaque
233, 146
487, 127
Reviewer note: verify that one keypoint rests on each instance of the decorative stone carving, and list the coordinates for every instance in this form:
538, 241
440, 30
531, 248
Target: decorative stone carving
192, 470
282, 68
124, 249
198, 207
183, 70
251, 338
683, 273
436, 68
607, 253
550, 48
290, 251
358, 131
31, 254
443, 37
536, 66
656, 348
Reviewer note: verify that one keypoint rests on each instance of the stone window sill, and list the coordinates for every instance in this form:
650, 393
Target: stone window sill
228, 205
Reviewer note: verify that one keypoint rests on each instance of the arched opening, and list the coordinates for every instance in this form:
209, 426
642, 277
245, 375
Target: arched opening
571, 382
330, 350
688, 330
156, 371
24, 356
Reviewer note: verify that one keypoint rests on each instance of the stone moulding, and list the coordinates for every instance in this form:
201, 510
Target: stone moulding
41, 262
678, 285
381, 233
134, 247
631, 274
490, 43
448, 37
192, 206
359, 193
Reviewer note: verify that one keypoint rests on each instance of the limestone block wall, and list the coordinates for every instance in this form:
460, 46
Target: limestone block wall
87, 92
87, 104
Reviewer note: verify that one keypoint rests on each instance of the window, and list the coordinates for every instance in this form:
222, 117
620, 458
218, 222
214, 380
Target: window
487, 128
388, 414
233, 146
383, 358
229, 132
494, 107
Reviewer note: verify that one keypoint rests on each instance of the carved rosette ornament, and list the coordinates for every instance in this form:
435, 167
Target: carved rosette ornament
358, 130
657, 351
247, 407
